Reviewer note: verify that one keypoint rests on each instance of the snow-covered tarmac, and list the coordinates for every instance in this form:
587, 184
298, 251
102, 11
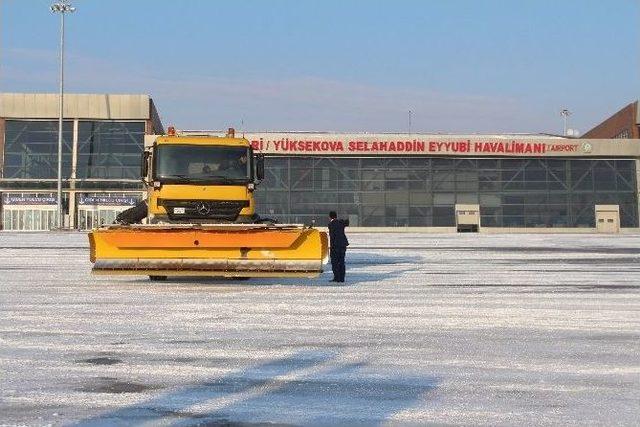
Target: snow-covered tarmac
453, 329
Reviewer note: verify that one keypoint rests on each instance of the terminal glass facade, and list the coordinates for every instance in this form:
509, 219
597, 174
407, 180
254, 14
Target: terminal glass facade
31, 149
107, 154
421, 191
109, 149
105, 149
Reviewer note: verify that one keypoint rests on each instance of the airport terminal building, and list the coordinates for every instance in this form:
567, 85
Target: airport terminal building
103, 138
445, 182
401, 180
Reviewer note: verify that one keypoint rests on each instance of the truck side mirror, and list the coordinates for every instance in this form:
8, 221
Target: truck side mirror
260, 167
144, 167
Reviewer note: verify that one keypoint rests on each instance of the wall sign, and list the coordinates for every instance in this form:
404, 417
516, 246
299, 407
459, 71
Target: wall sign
434, 145
106, 200
29, 199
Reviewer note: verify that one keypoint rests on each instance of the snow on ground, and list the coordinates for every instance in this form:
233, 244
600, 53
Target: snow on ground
455, 329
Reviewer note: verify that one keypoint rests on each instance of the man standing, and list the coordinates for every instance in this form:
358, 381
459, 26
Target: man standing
235, 168
338, 241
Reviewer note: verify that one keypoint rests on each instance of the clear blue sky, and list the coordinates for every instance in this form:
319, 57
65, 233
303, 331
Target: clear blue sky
459, 65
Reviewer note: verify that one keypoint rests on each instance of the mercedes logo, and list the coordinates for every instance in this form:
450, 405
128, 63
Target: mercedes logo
203, 208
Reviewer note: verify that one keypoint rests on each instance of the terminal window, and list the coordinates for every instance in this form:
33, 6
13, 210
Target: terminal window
421, 191
31, 149
109, 149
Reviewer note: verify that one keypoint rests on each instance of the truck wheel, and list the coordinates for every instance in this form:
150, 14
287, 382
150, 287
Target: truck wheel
157, 278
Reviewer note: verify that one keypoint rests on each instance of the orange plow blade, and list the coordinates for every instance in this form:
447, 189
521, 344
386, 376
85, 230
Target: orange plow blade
209, 250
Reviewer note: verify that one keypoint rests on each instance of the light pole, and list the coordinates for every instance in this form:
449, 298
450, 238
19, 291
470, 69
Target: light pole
62, 8
565, 117
410, 114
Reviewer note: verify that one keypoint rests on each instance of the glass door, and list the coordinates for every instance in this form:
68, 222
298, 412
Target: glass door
86, 218
6, 220
96, 216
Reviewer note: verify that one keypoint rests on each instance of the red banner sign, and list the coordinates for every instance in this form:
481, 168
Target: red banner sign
399, 144
414, 146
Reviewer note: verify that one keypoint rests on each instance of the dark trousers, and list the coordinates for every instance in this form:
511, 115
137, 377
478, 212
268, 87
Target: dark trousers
337, 262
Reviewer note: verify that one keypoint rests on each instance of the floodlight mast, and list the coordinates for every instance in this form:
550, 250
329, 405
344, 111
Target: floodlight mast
62, 8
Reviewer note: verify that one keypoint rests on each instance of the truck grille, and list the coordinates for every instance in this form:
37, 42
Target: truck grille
204, 209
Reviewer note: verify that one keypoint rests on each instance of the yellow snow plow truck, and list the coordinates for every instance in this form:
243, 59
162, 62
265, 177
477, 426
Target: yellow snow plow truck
200, 220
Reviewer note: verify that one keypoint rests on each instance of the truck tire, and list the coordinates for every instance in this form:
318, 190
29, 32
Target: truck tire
133, 215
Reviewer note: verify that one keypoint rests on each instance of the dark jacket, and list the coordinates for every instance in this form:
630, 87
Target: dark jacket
336, 233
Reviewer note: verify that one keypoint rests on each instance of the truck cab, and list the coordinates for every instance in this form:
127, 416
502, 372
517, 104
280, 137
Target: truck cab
201, 179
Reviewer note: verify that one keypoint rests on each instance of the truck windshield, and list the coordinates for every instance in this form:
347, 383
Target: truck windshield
197, 163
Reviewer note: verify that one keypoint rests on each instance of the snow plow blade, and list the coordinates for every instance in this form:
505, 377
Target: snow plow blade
230, 250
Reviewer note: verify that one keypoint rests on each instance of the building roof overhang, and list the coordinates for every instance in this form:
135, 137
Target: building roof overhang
76, 106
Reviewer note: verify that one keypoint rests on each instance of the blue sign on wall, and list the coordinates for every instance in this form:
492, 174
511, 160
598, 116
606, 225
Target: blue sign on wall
29, 199
107, 200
